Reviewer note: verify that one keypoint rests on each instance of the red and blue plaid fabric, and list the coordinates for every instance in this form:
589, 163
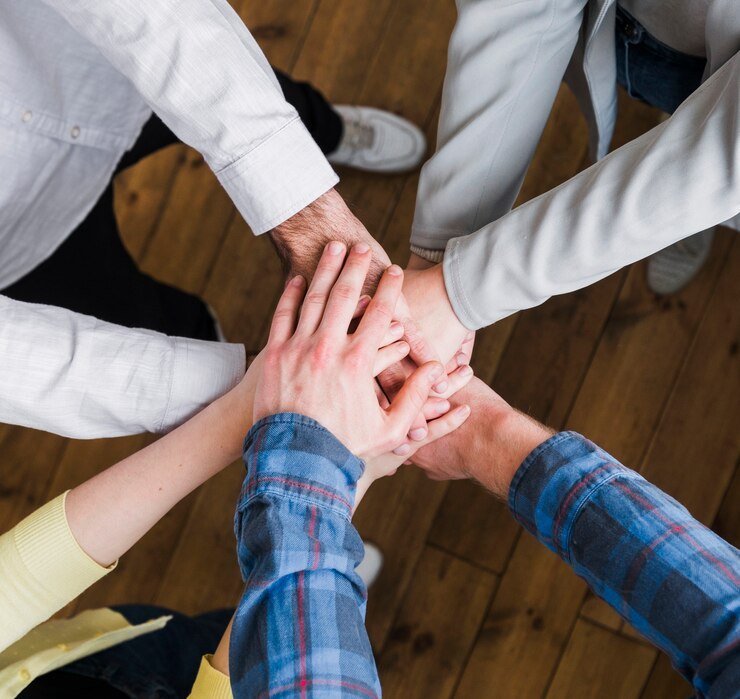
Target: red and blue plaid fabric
674, 580
299, 630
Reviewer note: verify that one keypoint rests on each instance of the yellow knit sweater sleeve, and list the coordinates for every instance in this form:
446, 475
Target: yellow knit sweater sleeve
42, 568
210, 683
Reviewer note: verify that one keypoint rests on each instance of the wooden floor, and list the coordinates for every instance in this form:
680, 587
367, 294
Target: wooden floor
466, 605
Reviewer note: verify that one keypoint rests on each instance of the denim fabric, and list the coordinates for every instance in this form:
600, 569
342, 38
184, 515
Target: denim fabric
299, 629
674, 580
159, 665
651, 71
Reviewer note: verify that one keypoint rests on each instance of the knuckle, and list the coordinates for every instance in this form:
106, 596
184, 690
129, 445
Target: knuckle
383, 310
344, 290
314, 298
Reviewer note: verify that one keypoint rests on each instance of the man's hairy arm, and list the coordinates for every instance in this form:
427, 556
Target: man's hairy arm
301, 239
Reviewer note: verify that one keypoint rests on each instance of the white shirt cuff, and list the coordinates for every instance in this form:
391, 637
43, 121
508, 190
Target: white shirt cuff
278, 178
202, 372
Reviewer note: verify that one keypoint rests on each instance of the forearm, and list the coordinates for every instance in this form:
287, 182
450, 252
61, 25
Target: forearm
110, 512
639, 550
300, 240
298, 551
681, 177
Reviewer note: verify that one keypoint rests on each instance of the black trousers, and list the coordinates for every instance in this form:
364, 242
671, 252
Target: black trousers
92, 272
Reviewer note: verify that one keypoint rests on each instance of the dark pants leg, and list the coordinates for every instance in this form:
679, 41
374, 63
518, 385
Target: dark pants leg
162, 664
92, 272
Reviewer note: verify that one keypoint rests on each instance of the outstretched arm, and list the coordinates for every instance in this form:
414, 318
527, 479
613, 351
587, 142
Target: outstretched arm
56, 553
581, 503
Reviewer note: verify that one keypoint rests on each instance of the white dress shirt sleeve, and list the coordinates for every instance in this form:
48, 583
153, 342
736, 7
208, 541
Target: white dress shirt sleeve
681, 177
80, 377
201, 71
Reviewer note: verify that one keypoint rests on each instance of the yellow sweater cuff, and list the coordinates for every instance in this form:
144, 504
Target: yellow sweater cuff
210, 683
42, 568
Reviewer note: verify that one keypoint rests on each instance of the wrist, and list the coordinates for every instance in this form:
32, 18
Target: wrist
416, 261
509, 438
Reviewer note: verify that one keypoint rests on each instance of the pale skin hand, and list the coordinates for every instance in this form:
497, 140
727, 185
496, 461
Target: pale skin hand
310, 356
300, 242
111, 511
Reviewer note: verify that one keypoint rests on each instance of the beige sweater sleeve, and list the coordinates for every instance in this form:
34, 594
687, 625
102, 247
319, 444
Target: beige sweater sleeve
42, 568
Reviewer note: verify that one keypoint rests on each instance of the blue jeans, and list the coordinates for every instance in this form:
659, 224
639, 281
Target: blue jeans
651, 71
159, 665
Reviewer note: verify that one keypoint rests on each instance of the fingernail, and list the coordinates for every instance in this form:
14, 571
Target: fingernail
466, 370
297, 281
403, 348
361, 248
396, 329
461, 359
437, 371
418, 434
402, 450
464, 410
442, 407
395, 271
442, 386
335, 247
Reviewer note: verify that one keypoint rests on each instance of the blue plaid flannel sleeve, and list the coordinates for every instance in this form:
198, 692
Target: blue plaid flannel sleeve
674, 580
299, 629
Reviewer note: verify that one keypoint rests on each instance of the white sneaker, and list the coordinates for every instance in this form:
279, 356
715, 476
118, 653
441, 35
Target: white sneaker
370, 565
673, 268
378, 141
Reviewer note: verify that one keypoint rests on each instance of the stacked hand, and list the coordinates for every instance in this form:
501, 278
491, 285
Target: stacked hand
314, 366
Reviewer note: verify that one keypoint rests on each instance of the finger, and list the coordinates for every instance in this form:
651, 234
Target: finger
408, 404
465, 353
346, 292
438, 428
286, 312
379, 314
389, 355
394, 333
323, 280
434, 408
361, 306
458, 379
382, 398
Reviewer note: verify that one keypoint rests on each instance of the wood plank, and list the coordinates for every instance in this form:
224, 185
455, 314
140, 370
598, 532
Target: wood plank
396, 515
29, 462
599, 663
664, 681
526, 628
435, 629
727, 521
697, 443
203, 572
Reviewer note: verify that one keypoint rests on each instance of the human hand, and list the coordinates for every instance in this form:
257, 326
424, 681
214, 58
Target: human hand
429, 304
488, 448
313, 367
300, 242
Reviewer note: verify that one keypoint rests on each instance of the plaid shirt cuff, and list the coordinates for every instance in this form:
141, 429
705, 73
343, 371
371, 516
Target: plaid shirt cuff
293, 456
553, 484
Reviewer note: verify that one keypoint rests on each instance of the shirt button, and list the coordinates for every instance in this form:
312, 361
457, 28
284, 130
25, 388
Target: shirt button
26, 116
75, 132
25, 675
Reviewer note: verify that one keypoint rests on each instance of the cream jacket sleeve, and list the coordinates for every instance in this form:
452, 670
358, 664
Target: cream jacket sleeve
199, 68
681, 177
